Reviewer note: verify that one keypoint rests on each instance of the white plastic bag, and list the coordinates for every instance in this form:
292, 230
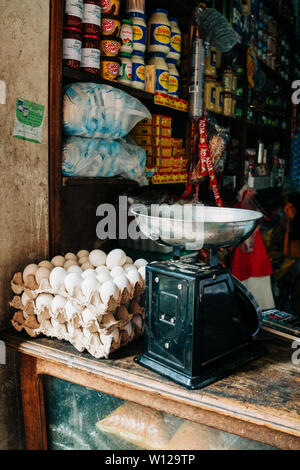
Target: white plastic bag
103, 158
100, 111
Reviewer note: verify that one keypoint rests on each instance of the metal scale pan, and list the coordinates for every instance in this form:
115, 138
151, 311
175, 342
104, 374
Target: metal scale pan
200, 321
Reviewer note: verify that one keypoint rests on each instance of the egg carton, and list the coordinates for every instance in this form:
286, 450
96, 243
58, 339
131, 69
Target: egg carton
99, 321
99, 338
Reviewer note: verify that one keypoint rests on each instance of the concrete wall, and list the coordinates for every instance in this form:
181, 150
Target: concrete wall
24, 39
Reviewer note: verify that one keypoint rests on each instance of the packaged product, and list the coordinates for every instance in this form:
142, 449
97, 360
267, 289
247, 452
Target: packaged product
100, 111
139, 28
91, 21
110, 7
90, 53
126, 36
159, 32
103, 158
110, 25
125, 72
110, 46
176, 39
161, 72
73, 13
138, 70
109, 68
173, 84
72, 47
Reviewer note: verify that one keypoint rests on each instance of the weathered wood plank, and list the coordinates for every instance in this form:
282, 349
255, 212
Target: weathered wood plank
33, 404
260, 401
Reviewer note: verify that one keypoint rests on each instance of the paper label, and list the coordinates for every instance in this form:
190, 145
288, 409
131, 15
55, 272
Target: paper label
160, 35
139, 34
175, 45
90, 58
91, 14
29, 118
72, 49
138, 72
74, 8
173, 85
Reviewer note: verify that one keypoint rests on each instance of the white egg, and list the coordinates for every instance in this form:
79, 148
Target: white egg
140, 262
142, 272
86, 266
100, 269
58, 303
115, 257
89, 285
25, 298
43, 300
97, 258
89, 272
82, 253
31, 269
70, 310
104, 277
57, 277
42, 273
128, 328
134, 277
117, 271
83, 260
137, 321
69, 263
75, 269
128, 267
71, 281
108, 290
87, 315
46, 264
58, 260
129, 260
70, 256
121, 282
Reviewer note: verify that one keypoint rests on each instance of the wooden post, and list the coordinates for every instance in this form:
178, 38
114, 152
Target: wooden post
33, 404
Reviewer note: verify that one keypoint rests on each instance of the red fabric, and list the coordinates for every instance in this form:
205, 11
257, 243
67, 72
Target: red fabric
254, 264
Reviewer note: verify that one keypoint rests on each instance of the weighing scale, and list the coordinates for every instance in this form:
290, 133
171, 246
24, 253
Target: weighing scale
200, 320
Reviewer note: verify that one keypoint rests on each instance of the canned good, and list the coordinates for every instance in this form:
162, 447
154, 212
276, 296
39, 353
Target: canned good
211, 62
219, 98
227, 104
227, 80
125, 71
210, 93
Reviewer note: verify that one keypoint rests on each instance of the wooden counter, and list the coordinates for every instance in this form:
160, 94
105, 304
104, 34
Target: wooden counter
260, 402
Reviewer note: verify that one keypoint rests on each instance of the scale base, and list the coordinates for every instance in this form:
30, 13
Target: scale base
219, 370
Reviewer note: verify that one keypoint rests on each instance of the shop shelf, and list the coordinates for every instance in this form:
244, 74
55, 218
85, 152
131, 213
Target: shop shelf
70, 75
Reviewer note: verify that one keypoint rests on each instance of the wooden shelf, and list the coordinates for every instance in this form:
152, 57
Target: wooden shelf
82, 181
70, 75
245, 403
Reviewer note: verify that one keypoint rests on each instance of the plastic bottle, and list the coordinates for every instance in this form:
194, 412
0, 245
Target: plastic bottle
159, 32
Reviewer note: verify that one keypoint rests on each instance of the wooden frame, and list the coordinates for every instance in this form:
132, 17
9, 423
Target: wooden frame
247, 403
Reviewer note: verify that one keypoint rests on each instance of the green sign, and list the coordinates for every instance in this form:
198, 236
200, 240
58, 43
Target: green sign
29, 120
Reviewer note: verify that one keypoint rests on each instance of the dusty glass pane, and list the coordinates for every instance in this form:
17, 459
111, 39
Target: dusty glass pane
84, 419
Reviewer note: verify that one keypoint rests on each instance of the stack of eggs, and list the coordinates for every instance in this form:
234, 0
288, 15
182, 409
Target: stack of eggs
93, 300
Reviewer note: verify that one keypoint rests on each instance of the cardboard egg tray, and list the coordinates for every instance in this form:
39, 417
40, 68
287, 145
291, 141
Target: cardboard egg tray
91, 325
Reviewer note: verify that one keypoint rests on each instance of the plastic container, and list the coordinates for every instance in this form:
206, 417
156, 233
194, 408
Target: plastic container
161, 72
211, 62
227, 104
126, 36
90, 53
173, 86
159, 32
138, 70
176, 39
110, 7
91, 20
125, 72
73, 13
139, 28
110, 25
219, 98
135, 6
72, 47
109, 68
210, 93
110, 46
